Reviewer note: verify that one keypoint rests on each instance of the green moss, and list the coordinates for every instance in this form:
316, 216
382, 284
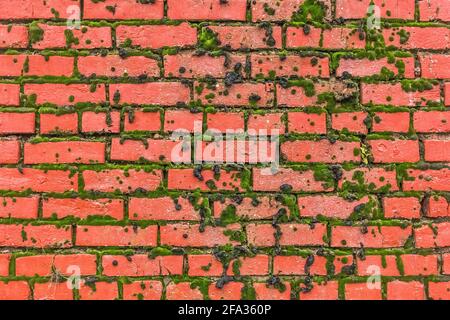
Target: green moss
208, 40
310, 11
35, 33
70, 38
228, 215
417, 85
306, 84
159, 251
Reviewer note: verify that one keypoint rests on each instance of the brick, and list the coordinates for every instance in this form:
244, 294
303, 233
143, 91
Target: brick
46, 265
115, 66
223, 121
431, 10
43, 236
230, 291
250, 266
367, 67
437, 150
391, 122
419, 265
17, 123
82, 208
204, 265
183, 291
408, 208
265, 180
375, 179
375, 237
396, 151
15, 36
36, 65
431, 66
4, 264
417, 37
62, 94
19, 207
142, 290
184, 179
14, 290
343, 38
148, 36
99, 291
100, 122
141, 120
360, 291
394, 9
344, 264
273, 10
30, 9
432, 236
207, 10
328, 206
64, 152
439, 290
295, 265
437, 207
262, 235
9, 94
378, 265
241, 94
432, 121
37, 180
298, 37
185, 235
266, 292
164, 208
350, 121
115, 236
123, 10
52, 291
182, 121
393, 94
157, 93
265, 124
51, 123
427, 180
60, 37
303, 122
321, 291
445, 263
140, 265
191, 65
447, 94
264, 207
10, 151
124, 181
247, 37
320, 151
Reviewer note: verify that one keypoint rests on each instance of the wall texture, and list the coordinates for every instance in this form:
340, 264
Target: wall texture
89, 181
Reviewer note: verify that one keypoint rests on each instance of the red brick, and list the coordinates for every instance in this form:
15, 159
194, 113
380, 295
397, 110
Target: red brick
123, 10
376, 237
182, 120
9, 94
264, 207
265, 124
372, 264
418, 37
64, 152
395, 151
62, 94
303, 122
432, 236
241, 94
408, 208
186, 235
419, 265
37, 65
394, 9
184, 179
296, 265
9, 151
43, 236
141, 120
282, 10
262, 235
52, 123
320, 151
99, 291
351, 121
431, 10
427, 180
52, 291
14, 290
140, 265
447, 94
328, 206
12, 65
367, 67
266, 292
164, 208
250, 266
19, 207
37, 180
157, 93
296, 37
439, 290
360, 291
82, 208
374, 178
183, 291
124, 181
230, 291
206, 10
247, 37
204, 265
432, 66
115, 66
4, 264
142, 290
321, 291
445, 264
343, 263
98, 122
437, 207
264, 180
393, 94
343, 38
391, 122
116, 236
54, 37
46, 265
18, 123
14, 37
432, 121
32, 9
223, 121
437, 150
149, 36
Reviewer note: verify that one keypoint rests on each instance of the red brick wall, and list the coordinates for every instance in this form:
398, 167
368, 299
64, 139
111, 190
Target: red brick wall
89, 183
